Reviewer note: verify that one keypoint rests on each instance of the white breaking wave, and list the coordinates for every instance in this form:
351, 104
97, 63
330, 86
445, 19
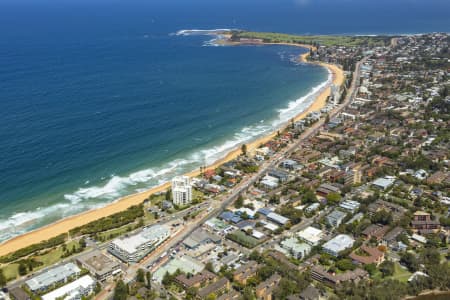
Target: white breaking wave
202, 31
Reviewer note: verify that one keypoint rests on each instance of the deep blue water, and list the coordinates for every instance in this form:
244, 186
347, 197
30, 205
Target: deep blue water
100, 99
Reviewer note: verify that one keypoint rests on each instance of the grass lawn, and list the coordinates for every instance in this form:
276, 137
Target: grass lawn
105, 235
400, 273
243, 239
54, 256
11, 271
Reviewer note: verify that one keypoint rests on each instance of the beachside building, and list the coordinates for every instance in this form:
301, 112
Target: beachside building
99, 265
134, 248
76, 290
52, 277
181, 190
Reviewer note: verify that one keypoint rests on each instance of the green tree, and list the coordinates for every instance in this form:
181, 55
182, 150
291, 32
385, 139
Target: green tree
140, 277
148, 275
244, 149
333, 198
120, 291
387, 268
345, 264
22, 269
239, 202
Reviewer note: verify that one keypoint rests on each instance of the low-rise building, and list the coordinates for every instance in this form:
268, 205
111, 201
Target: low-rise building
279, 219
52, 277
265, 289
195, 280
335, 218
295, 248
350, 205
338, 244
136, 247
331, 279
371, 256
376, 231
217, 288
311, 235
99, 265
75, 290
245, 272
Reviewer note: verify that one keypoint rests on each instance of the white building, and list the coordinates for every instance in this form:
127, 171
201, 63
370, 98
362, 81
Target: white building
74, 290
181, 190
134, 248
53, 276
338, 244
311, 235
295, 248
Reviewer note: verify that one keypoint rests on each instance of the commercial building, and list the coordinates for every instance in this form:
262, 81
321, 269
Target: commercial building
99, 265
52, 277
181, 190
335, 218
338, 244
310, 235
76, 290
199, 237
134, 248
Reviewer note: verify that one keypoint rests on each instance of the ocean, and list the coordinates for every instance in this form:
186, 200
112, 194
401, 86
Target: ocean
101, 99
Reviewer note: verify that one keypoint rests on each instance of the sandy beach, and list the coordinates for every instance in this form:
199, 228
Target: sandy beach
64, 225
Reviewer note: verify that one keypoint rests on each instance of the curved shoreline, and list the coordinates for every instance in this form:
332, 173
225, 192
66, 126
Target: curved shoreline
64, 225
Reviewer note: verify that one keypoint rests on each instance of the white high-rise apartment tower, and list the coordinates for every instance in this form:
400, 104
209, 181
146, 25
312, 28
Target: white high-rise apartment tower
181, 190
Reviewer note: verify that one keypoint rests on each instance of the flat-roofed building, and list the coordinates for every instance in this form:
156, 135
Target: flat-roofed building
75, 290
338, 244
335, 218
99, 265
296, 248
51, 277
311, 235
134, 248
350, 205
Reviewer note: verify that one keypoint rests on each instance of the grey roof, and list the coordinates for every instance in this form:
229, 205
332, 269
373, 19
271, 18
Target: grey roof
337, 215
52, 276
131, 244
100, 263
339, 243
277, 218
